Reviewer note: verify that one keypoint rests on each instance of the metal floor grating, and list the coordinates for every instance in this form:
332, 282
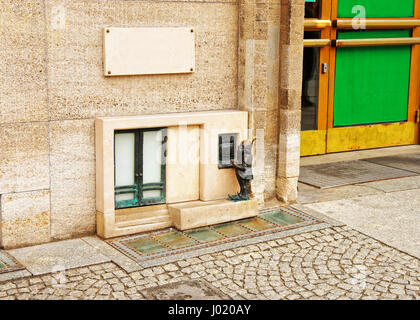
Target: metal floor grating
8, 263
336, 174
408, 162
185, 290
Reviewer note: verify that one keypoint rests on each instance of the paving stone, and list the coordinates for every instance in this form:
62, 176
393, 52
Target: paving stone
47, 258
170, 267
314, 265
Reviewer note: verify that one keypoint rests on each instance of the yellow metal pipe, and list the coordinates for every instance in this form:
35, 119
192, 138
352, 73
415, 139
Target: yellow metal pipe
378, 23
316, 23
376, 42
316, 42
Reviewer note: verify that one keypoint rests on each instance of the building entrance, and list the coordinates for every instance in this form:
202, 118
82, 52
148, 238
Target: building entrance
361, 70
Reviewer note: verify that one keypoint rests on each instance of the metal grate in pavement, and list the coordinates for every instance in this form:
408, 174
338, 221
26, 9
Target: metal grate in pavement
8, 263
408, 162
336, 174
185, 290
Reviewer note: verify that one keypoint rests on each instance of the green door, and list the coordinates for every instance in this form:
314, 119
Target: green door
376, 8
371, 83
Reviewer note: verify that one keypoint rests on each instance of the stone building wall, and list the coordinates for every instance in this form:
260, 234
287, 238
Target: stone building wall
259, 26
290, 91
52, 88
269, 88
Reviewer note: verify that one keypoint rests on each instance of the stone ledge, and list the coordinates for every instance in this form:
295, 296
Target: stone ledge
194, 214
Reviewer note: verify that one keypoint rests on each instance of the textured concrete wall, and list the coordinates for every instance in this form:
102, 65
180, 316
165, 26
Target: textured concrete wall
78, 90
269, 88
290, 91
25, 218
52, 87
259, 25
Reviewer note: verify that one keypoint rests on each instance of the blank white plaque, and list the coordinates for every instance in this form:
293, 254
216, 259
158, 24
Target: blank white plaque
137, 51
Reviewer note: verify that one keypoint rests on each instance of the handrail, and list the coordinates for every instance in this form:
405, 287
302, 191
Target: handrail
316, 23
375, 42
316, 42
347, 24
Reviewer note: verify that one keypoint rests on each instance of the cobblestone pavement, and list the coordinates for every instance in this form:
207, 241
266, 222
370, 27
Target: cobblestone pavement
333, 263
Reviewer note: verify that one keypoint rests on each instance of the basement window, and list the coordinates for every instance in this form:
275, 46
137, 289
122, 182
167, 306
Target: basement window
139, 167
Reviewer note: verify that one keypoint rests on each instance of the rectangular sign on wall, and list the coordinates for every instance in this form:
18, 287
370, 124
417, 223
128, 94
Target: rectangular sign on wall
140, 51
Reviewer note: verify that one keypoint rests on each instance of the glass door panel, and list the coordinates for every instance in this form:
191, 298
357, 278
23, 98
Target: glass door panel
313, 9
126, 188
316, 58
139, 167
310, 84
153, 166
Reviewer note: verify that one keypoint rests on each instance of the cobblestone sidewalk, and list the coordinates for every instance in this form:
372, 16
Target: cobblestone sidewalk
333, 263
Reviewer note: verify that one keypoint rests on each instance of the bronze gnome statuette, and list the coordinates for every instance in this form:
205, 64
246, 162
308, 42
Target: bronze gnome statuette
243, 170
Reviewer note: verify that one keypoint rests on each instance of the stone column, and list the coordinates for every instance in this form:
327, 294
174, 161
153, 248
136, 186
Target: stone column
290, 90
259, 29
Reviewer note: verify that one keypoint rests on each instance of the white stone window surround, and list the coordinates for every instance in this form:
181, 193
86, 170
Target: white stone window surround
214, 184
